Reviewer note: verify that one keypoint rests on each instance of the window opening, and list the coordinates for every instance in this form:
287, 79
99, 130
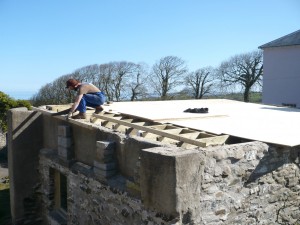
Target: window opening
58, 190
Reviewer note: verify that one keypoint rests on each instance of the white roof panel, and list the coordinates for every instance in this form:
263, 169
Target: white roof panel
270, 124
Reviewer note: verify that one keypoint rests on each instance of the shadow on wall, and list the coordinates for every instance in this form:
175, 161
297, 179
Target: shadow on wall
265, 167
5, 218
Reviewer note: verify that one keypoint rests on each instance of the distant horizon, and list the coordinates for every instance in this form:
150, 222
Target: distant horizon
19, 95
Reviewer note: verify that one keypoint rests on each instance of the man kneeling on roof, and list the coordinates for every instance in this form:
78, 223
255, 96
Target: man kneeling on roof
87, 95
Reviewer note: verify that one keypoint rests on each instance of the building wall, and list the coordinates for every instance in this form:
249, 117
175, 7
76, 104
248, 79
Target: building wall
281, 76
248, 183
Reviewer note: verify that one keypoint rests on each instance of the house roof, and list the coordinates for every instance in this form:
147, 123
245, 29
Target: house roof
287, 40
266, 123
250, 121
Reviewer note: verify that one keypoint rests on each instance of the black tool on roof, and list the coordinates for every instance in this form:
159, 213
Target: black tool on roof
63, 112
196, 110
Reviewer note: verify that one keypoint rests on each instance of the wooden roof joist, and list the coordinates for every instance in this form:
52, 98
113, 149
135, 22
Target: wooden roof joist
169, 133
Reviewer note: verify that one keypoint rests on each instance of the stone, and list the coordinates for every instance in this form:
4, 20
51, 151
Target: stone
251, 155
104, 173
65, 153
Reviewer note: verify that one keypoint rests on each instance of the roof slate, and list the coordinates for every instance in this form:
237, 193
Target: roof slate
287, 40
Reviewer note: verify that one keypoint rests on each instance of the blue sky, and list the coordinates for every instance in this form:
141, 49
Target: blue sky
43, 40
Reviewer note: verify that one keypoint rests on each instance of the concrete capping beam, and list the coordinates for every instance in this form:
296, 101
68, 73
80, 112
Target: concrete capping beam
24, 141
170, 180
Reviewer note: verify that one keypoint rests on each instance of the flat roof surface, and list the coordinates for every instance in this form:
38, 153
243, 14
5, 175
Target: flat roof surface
270, 124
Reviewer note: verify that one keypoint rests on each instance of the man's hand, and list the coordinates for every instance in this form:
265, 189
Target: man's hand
69, 115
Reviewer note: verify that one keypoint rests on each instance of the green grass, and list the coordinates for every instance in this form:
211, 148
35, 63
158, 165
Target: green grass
255, 97
4, 186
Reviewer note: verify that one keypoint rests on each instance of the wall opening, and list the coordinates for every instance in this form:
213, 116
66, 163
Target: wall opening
63, 192
58, 195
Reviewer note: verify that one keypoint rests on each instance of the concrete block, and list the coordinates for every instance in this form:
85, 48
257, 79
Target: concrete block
105, 166
64, 142
104, 150
107, 159
170, 179
99, 173
64, 131
65, 153
79, 167
108, 146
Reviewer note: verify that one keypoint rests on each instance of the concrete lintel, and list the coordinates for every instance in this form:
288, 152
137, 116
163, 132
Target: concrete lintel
170, 179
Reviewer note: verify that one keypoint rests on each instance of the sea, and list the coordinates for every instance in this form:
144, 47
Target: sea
20, 95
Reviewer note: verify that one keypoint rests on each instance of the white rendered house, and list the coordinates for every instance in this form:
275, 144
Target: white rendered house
281, 79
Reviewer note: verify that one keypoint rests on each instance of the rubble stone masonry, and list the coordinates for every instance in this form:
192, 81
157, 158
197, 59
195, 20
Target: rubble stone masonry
127, 180
250, 183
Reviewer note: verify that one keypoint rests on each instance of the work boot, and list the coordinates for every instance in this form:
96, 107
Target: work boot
79, 116
99, 109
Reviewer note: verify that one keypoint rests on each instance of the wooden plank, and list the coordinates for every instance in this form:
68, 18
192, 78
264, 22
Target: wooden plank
150, 136
109, 124
121, 128
173, 131
168, 140
216, 140
199, 142
192, 135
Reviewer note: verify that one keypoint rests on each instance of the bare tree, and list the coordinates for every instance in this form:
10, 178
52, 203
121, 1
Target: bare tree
200, 81
245, 70
167, 74
138, 81
105, 80
122, 71
54, 93
89, 73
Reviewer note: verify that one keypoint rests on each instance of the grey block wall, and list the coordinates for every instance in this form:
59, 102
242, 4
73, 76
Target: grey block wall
24, 140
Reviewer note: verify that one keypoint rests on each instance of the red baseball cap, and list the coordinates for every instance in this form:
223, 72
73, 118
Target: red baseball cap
71, 82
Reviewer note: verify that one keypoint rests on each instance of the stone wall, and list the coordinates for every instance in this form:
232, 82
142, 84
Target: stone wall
91, 201
248, 183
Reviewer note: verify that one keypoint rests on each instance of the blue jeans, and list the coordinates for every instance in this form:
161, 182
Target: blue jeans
92, 100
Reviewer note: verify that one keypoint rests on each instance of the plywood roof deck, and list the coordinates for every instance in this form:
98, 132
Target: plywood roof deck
270, 124
266, 123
